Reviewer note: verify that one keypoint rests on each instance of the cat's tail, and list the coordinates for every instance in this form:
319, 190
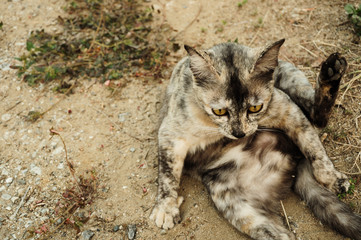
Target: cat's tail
325, 204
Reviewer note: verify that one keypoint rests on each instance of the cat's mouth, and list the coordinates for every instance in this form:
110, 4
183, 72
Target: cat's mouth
234, 137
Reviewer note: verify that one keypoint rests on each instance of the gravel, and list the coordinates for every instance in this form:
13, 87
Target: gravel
132, 230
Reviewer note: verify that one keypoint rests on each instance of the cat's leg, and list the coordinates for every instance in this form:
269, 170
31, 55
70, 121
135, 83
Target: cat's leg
285, 115
171, 157
316, 104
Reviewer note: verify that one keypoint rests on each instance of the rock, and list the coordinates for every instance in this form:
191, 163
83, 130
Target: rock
9, 180
121, 117
23, 172
6, 196
132, 230
116, 228
86, 235
59, 221
5, 172
21, 181
6, 117
132, 149
60, 166
13, 199
58, 150
8, 134
44, 211
163, 232
35, 170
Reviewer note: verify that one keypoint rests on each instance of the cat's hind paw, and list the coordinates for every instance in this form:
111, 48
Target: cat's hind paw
166, 213
329, 81
333, 69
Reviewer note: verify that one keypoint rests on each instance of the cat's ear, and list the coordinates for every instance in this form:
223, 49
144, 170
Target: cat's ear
200, 65
267, 61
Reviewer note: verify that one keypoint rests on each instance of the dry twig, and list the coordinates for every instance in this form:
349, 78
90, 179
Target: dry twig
284, 212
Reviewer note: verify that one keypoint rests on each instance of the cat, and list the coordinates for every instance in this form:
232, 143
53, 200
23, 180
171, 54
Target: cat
230, 117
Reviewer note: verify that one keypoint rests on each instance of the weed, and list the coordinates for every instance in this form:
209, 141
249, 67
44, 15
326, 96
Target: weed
350, 191
336, 134
1, 25
259, 23
81, 193
354, 15
241, 4
99, 40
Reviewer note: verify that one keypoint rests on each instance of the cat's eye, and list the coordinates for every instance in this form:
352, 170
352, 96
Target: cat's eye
255, 109
220, 112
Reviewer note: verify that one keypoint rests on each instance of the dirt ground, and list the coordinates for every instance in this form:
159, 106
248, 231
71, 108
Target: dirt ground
114, 134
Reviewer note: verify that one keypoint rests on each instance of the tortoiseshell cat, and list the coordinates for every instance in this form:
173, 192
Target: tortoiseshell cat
230, 117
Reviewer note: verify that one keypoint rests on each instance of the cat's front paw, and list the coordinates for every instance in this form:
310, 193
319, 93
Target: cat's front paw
342, 184
332, 179
333, 69
166, 212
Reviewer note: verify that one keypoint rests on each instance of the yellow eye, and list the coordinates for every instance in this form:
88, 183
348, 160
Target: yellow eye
255, 109
220, 112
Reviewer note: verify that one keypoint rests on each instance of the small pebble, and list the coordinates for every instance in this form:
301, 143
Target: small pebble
57, 150
9, 180
132, 149
6, 196
121, 117
5, 172
132, 230
13, 199
86, 235
61, 166
116, 228
59, 221
6, 117
35, 170
163, 232
21, 181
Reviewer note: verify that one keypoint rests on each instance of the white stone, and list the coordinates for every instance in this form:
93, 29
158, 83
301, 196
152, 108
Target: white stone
8, 134
9, 180
6, 117
57, 150
35, 170
61, 166
6, 196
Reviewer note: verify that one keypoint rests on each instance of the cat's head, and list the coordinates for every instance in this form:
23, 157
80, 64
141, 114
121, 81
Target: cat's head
233, 85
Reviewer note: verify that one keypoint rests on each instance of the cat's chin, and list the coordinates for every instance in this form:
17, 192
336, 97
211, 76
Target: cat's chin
233, 137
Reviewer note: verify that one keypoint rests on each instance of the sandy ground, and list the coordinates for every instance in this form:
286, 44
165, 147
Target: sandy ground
114, 134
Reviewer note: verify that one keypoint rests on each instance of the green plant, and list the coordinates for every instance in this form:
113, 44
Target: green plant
350, 191
354, 15
240, 4
99, 40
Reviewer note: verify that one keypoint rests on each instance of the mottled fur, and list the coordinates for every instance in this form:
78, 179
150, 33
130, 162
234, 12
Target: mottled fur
240, 150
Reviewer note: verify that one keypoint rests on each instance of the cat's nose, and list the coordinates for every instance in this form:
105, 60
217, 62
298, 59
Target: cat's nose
238, 134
